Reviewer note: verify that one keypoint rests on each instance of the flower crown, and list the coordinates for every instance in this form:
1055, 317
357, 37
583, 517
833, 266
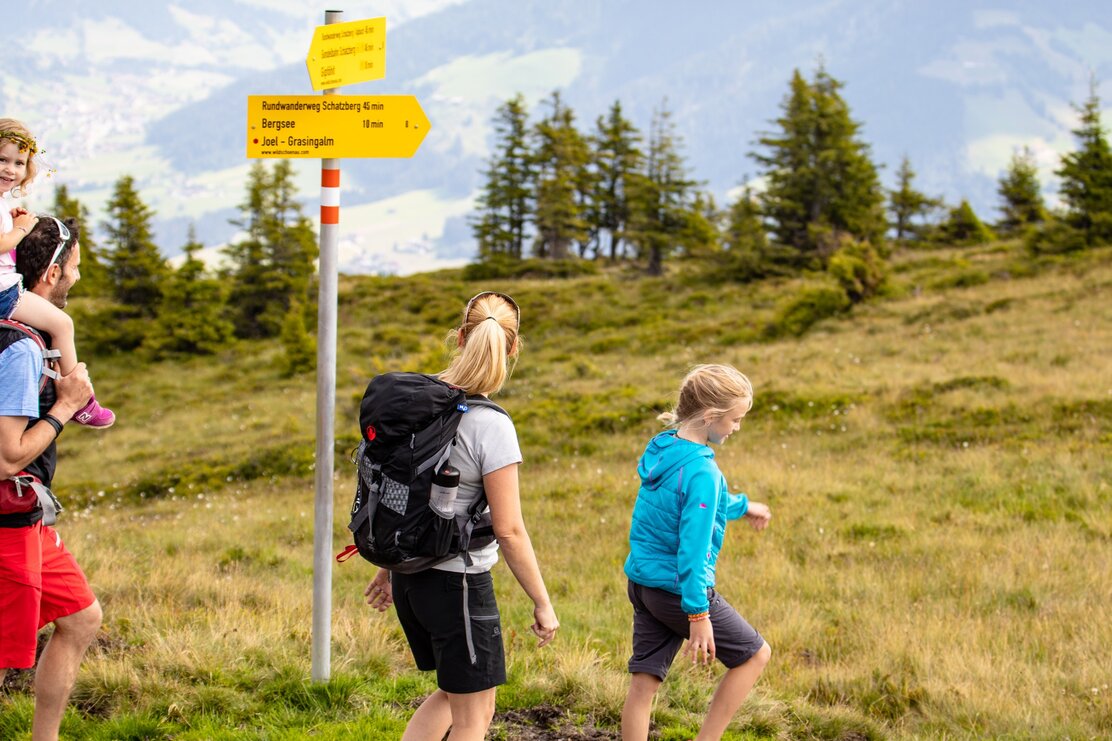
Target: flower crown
25, 143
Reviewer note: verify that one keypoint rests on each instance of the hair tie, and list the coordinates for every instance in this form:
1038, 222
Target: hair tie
489, 317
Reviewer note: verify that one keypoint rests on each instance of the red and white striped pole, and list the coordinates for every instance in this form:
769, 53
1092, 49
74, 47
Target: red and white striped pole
326, 407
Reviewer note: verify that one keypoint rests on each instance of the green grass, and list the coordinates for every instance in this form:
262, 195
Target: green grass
938, 464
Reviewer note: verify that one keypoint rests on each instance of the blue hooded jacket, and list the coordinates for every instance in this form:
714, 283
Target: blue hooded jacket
679, 520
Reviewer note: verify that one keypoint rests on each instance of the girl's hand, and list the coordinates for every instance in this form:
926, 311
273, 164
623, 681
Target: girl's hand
544, 624
23, 222
700, 641
758, 515
379, 592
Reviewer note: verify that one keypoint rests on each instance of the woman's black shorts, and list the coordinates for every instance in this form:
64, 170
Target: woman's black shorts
452, 626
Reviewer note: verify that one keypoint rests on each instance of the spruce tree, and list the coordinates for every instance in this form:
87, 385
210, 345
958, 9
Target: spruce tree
907, 204
273, 263
963, 227
504, 205
560, 160
94, 274
617, 158
821, 180
247, 257
660, 195
1021, 198
745, 239
700, 233
192, 318
291, 240
299, 348
1086, 177
135, 267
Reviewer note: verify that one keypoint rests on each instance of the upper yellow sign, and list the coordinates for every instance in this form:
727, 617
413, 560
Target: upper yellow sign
346, 53
326, 126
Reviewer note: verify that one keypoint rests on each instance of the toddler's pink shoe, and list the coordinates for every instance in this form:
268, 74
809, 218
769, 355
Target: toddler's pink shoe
94, 415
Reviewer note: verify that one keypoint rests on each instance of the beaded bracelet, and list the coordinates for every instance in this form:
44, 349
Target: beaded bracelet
697, 617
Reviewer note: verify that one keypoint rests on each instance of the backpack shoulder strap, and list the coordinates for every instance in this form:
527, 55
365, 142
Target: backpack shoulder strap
482, 401
49, 355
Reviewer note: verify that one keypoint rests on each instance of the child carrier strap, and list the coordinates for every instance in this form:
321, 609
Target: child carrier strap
49, 355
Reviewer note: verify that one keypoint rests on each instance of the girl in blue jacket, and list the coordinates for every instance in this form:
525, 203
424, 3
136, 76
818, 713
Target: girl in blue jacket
679, 522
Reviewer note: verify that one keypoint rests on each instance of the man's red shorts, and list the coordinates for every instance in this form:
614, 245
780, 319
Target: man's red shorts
39, 582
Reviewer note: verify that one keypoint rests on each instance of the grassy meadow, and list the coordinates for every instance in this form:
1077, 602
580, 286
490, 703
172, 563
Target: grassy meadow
939, 564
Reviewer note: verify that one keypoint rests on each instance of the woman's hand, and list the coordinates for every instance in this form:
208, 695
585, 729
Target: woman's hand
758, 515
379, 592
700, 641
545, 624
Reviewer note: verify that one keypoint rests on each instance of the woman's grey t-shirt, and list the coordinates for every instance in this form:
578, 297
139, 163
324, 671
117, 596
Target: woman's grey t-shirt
485, 442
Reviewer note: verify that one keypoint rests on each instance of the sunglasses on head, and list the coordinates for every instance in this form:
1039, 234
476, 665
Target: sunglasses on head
64, 238
509, 300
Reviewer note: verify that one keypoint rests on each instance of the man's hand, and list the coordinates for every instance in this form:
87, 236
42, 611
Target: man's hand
74, 391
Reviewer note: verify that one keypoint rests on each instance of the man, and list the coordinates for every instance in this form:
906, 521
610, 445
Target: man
40, 582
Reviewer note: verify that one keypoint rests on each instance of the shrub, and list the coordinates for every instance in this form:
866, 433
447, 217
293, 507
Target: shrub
858, 268
504, 266
806, 308
1056, 237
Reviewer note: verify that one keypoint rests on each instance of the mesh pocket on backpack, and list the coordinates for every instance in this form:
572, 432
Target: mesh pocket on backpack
395, 495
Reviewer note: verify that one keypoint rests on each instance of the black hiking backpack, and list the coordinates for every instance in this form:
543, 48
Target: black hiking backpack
408, 423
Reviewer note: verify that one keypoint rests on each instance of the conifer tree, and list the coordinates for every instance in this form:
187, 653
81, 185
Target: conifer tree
274, 262
1021, 198
821, 180
617, 158
299, 348
192, 318
291, 239
963, 227
505, 201
660, 195
745, 239
560, 162
135, 267
94, 274
700, 235
247, 257
907, 204
1086, 177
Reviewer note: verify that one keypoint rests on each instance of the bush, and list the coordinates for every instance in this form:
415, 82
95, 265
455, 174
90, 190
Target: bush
805, 309
1056, 237
109, 330
859, 269
504, 266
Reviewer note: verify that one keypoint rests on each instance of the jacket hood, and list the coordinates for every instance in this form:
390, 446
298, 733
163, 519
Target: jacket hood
665, 454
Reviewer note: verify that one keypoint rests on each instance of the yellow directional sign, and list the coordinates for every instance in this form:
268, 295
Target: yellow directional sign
346, 53
325, 126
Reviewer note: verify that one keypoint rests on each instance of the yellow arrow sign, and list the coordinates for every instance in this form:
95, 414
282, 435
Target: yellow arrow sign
324, 126
346, 53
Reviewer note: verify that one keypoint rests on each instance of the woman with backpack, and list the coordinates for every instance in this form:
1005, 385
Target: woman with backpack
448, 612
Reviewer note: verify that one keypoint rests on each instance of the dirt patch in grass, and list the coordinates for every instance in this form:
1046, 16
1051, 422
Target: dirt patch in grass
547, 723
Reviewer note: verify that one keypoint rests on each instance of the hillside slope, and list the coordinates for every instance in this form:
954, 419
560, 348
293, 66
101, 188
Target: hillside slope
939, 563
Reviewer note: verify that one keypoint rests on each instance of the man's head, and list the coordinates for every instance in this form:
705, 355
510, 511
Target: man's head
49, 259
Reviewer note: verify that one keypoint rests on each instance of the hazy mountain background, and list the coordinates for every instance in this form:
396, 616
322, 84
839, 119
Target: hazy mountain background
158, 90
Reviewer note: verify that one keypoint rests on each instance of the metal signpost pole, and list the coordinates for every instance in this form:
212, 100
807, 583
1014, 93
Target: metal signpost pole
326, 407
